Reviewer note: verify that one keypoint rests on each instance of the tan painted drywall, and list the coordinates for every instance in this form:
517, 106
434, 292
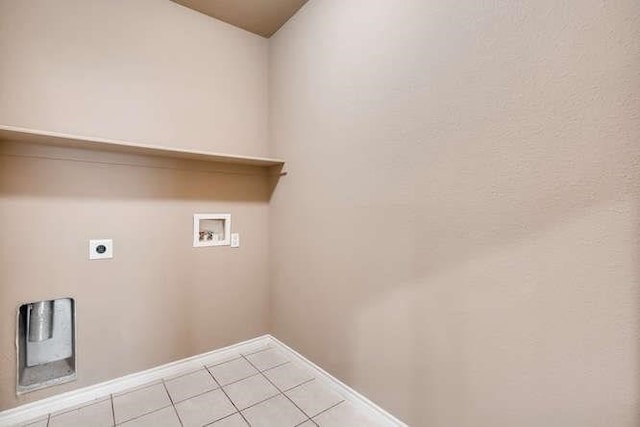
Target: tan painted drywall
143, 71
159, 299
457, 237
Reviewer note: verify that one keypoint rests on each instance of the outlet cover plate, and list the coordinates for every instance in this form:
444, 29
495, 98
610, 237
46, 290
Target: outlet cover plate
101, 249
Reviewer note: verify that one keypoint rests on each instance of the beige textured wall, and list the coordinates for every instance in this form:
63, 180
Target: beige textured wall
458, 234
148, 71
145, 71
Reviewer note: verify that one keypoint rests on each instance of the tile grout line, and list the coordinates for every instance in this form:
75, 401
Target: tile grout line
249, 376
162, 381
281, 392
328, 409
241, 356
175, 377
173, 405
222, 363
229, 398
206, 366
134, 389
143, 415
291, 388
196, 395
232, 382
257, 351
80, 406
298, 385
263, 400
156, 382
223, 418
274, 367
217, 386
221, 388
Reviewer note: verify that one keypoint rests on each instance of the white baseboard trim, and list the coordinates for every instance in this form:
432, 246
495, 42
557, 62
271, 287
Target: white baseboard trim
40, 408
30, 411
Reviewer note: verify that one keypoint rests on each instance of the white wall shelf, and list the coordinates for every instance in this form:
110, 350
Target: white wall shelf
11, 133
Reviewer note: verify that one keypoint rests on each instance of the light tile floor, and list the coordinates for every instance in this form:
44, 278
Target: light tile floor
260, 389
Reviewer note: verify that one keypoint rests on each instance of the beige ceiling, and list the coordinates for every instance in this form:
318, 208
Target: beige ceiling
263, 17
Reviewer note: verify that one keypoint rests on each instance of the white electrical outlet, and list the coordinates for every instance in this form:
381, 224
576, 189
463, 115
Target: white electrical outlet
101, 249
235, 240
